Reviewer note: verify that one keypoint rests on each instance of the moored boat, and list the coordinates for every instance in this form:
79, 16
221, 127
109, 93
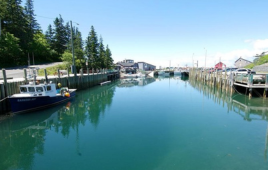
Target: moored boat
35, 96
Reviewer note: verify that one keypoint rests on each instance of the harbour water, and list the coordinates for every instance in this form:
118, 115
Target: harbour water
156, 123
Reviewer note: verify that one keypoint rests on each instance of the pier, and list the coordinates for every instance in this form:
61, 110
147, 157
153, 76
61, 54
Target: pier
247, 84
80, 81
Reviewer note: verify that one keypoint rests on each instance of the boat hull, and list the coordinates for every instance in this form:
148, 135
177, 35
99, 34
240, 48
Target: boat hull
27, 104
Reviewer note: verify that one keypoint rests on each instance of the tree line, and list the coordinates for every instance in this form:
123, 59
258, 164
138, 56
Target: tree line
22, 41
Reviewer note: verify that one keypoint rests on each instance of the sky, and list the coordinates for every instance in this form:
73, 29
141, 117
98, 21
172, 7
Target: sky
168, 32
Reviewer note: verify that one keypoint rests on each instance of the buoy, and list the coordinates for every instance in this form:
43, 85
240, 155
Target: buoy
67, 94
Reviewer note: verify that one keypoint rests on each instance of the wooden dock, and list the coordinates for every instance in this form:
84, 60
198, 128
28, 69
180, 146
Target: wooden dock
248, 84
77, 81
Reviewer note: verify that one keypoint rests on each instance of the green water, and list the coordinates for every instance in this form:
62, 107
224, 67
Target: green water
158, 124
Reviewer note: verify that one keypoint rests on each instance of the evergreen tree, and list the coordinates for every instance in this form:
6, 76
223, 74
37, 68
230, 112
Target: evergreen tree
78, 45
102, 54
92, 49
109, 60
60, 36
15, 23
33, 26
49, 35
68, 36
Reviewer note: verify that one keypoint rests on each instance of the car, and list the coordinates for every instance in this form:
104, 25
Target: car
228, 71
243, 71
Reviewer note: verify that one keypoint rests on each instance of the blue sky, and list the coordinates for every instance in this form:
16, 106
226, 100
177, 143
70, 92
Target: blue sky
172, 31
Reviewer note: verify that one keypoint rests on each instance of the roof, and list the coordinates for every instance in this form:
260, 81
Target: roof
242, 59
126, 64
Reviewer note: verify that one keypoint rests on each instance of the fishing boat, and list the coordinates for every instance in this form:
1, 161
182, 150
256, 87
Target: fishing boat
35, 96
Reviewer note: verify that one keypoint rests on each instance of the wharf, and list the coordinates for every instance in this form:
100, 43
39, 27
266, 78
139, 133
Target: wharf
80, 81
248, 84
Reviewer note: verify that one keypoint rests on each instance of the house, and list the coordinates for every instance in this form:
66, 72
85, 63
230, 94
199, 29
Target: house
239, 63
129, 65
220, 65
146, 66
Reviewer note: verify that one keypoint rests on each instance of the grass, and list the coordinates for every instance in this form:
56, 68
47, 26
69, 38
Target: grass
53, 70
260, 61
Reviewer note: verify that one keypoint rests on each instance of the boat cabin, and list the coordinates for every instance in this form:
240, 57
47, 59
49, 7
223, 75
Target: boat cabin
32, 89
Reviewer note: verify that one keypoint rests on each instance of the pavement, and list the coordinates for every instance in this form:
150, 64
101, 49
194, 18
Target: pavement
17, 72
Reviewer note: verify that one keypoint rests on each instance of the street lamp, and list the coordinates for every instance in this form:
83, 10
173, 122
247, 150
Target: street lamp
73, 65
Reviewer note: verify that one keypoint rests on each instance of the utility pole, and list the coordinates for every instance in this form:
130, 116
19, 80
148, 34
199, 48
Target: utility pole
73, 66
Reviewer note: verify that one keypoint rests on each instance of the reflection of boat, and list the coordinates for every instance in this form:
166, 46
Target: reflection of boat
177, 72
185, 73
34, 96
130, 75
161, 72
42, 120
130, 82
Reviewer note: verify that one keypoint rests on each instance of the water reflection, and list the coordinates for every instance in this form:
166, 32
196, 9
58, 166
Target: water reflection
253, 109
130, 82
249, 109
23, 136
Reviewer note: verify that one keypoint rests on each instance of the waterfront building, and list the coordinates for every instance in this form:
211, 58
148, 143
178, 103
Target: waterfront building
129, 65
239, 63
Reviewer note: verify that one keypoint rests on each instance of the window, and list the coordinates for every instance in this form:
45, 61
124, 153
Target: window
23, 89
48, 88
39, 89
31, 89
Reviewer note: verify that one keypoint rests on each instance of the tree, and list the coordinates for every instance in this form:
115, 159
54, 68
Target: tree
9, 50
102, 54
14, 22
91, 50
109, 60
50, 35
33, 26
59, 45
41, 48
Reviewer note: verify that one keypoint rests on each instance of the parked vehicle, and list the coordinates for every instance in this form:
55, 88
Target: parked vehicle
228, 71
243, 71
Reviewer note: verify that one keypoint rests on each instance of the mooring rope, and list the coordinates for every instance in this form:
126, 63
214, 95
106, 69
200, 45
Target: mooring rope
3, 99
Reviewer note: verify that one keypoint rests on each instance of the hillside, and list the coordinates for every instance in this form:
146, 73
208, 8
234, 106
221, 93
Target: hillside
258, 61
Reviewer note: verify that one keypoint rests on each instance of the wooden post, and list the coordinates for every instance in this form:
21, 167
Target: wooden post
45, 71
250, 93
25, 75
250, 79
5, 81
266, 80
58, 73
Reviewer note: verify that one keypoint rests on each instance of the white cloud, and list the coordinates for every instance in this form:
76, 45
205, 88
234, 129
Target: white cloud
258, 46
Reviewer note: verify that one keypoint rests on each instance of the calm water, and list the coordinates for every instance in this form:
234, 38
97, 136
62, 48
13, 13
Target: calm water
158, 124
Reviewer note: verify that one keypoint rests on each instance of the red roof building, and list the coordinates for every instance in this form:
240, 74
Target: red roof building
220, 65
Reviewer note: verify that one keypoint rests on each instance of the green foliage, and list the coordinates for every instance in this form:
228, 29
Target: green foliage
53, 70
9, 50
91, 50
59, 45
259, 61
22, 36
67, 58
108, 58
